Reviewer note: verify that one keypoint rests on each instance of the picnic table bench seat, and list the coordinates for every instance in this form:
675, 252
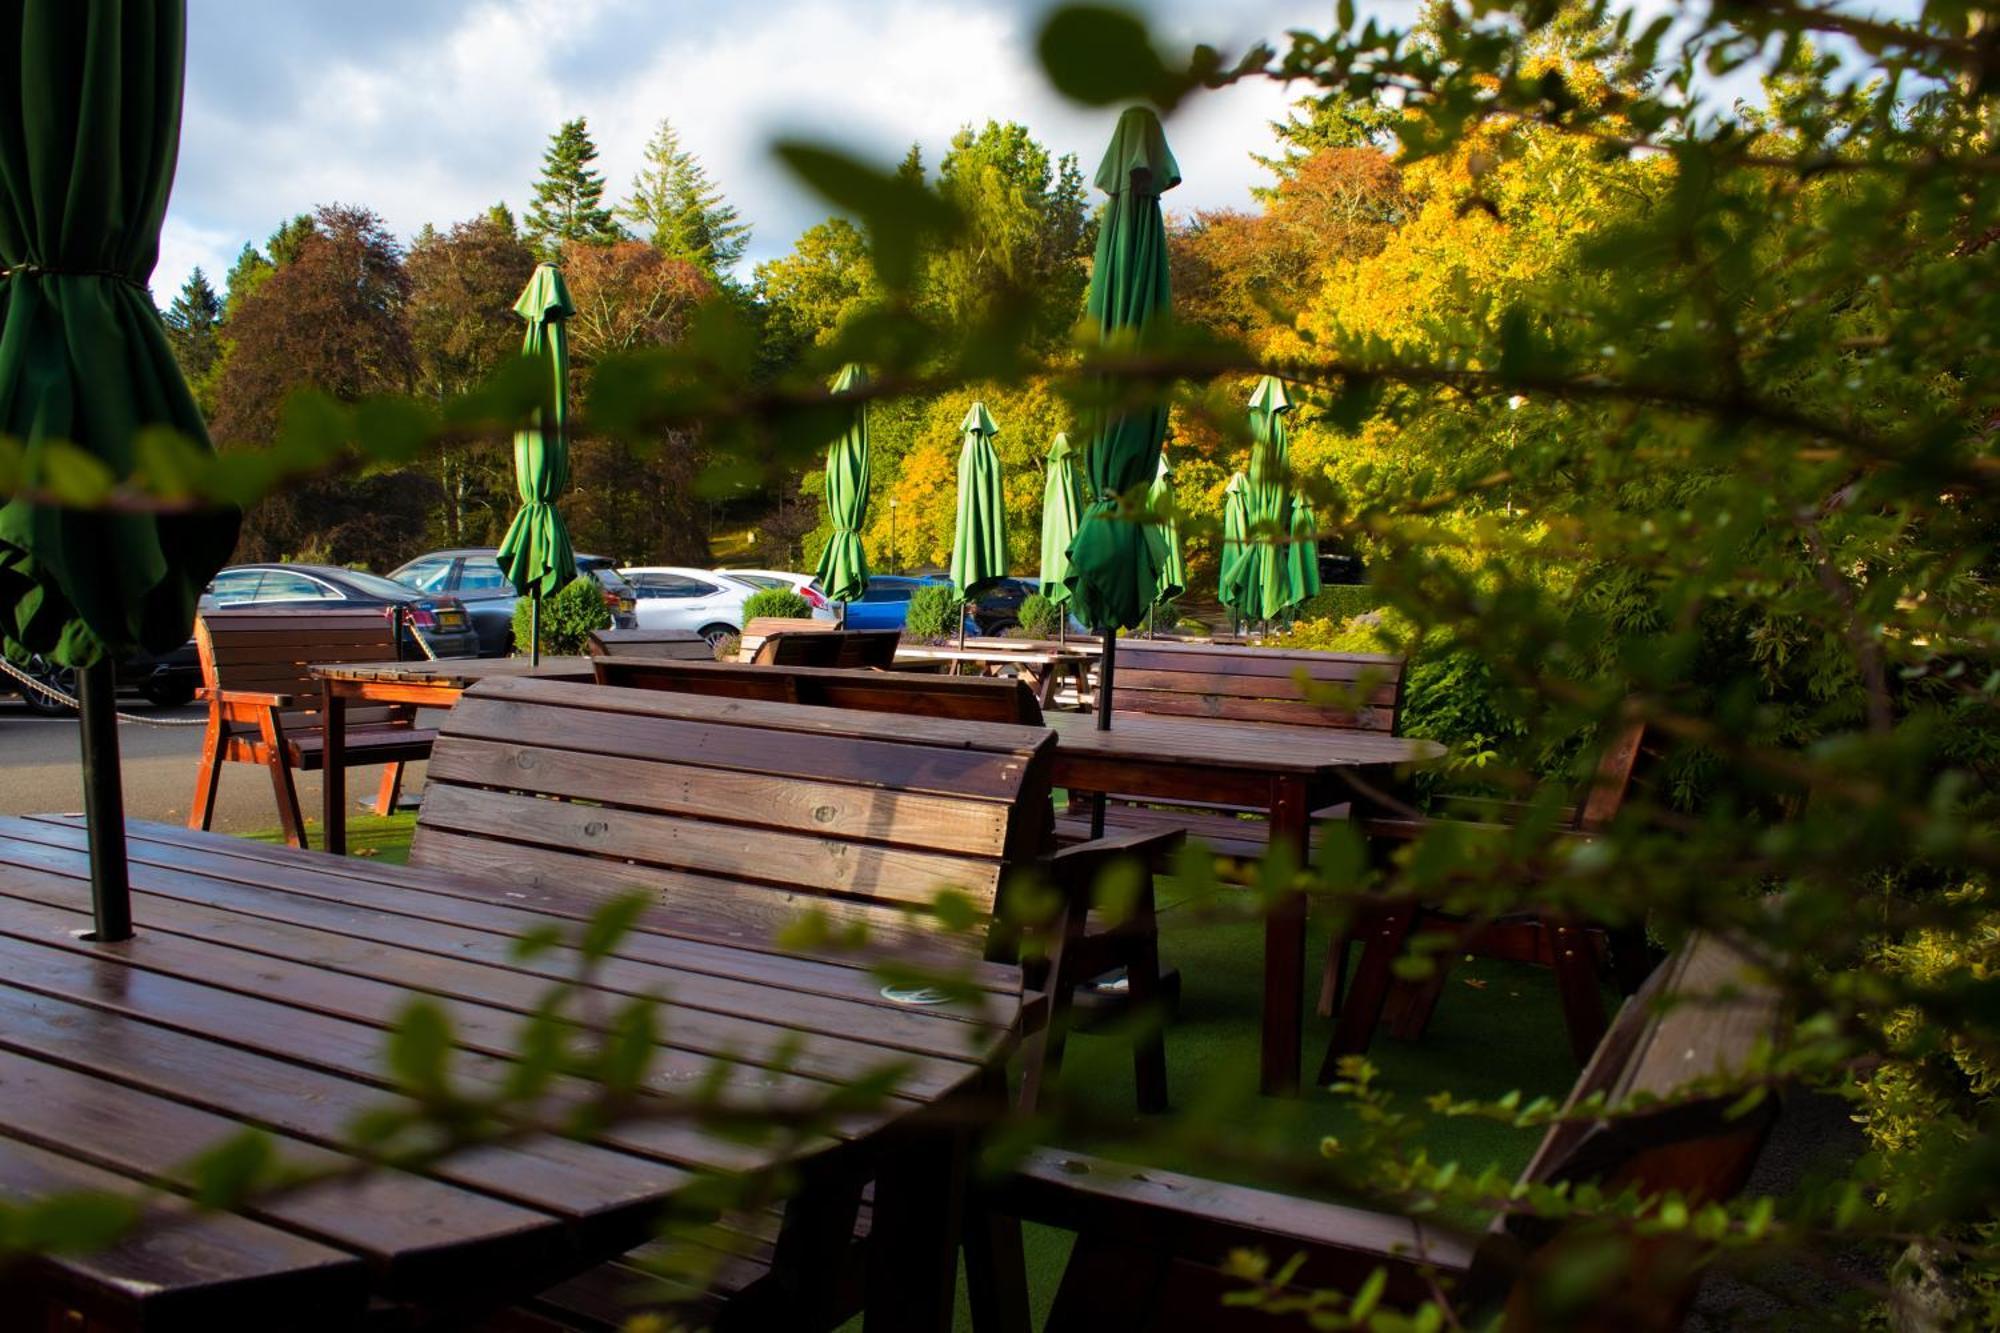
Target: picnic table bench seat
798, 641
967, 698
672, 644
264, 704
1153, 1246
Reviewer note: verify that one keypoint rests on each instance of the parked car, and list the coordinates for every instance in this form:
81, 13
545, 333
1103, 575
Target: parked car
802, 584
699, 600
166, 680
443, 621
886, 603
471, 574
997, 610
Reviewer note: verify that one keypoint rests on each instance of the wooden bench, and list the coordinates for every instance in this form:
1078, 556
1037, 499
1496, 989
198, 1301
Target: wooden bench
263, 704
741, 815
673, 644
967, 698
1294, 687
1152, 1245
829, 648
1575, 949
763, 627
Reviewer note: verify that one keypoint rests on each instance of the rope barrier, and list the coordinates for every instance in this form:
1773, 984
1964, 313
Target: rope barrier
68, 700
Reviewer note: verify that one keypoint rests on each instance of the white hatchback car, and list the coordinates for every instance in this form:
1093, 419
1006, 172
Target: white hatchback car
802, 584
672, 597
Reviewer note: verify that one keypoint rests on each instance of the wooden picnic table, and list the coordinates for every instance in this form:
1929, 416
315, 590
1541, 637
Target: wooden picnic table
259, 991
433, 684
1286, 771
1043, 668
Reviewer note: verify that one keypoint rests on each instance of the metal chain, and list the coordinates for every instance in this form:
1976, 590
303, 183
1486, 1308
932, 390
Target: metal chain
69, 701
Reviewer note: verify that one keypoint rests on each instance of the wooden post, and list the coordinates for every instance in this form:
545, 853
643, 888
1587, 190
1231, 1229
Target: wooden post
104, 801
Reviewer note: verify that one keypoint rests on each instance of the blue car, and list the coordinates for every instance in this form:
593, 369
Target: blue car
886, 604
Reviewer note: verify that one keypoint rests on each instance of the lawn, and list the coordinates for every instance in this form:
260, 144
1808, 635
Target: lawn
1498, 1029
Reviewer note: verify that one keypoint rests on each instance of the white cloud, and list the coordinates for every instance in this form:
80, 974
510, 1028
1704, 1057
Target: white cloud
429, 112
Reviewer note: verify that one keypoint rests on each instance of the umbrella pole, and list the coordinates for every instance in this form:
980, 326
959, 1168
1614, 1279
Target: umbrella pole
104, 802
961, 625
1106, 668
535, 631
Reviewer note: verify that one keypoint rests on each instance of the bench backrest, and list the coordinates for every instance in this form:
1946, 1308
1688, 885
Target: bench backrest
1700, 1015
839, 648
738, 814
917, 694
1257, 684
674, 644
271, 652
763, 627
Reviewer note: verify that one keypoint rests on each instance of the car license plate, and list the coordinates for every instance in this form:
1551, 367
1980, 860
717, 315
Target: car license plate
451, 620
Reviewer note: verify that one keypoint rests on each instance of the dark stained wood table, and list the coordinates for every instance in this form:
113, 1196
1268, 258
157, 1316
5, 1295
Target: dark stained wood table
258, 991
433, 684
1286, 771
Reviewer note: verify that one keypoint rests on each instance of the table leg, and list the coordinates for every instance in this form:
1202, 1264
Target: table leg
333, 774
913, 1244
1285, 947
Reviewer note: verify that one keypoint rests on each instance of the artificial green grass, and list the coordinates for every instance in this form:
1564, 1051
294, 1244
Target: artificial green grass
1498, 1029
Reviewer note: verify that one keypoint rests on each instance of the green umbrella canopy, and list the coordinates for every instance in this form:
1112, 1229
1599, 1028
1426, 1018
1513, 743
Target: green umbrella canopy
1231, 590
1115, 565
979, 539
843, 565
1062, 506
1173, 571
536, 554
1267, 507
86, 164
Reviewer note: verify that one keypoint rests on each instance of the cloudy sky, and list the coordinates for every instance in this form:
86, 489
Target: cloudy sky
430, 110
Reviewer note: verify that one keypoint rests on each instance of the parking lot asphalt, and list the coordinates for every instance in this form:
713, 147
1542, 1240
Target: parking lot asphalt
41, 770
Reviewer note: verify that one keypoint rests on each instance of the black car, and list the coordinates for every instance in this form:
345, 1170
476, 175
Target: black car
166, 680
443, 621
471, 574
997, 610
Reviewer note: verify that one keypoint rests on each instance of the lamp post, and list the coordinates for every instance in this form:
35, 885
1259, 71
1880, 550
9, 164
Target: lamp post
894, 568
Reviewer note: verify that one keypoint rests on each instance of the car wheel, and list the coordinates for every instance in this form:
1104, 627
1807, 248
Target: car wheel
61, 678
177, 694
717, 633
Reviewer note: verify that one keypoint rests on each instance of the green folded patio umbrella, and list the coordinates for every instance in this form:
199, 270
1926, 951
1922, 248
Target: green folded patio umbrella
1173, 573
1115, 565
1305, 549
535, 554
1276, 587
979, 538
843, 565
1062, 506
1230, 588
92, 128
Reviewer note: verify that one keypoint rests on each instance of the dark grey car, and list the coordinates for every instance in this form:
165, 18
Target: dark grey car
472, 575
442, 620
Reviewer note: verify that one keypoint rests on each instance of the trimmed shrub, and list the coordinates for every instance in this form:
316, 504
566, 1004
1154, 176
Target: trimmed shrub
934, 613
776, 604
567, 618
1040, 618
1340, 601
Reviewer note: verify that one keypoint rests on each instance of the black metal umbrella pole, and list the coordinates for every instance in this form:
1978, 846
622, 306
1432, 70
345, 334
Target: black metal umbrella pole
104, 801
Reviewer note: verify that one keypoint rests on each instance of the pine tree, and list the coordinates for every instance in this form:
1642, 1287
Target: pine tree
194, 327
680, 210
568, 203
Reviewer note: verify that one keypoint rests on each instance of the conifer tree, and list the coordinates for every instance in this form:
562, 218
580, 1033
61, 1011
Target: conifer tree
676, 207
569, 198
194, 327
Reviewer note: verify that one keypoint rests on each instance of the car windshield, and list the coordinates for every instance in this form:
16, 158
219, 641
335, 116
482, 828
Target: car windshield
374, 585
